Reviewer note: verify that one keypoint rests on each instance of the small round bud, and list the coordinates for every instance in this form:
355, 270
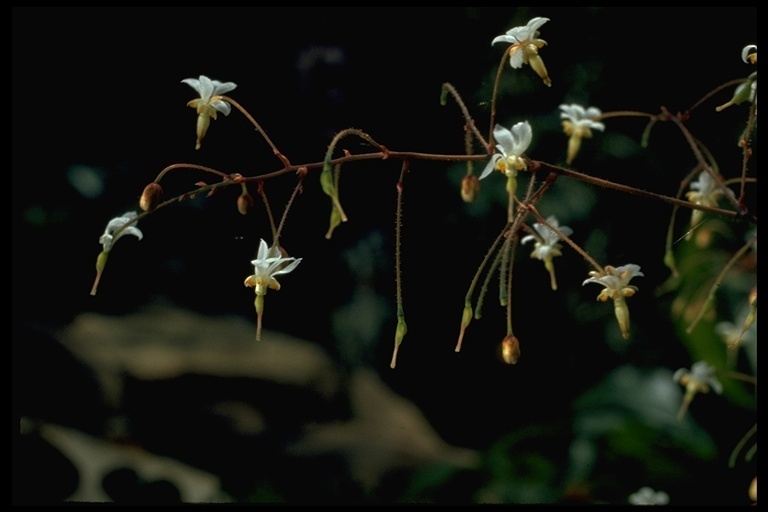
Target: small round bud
510, 349
151, 197
244, 203
470, 188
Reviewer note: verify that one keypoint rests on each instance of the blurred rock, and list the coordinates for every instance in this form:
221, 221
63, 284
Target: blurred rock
275, 420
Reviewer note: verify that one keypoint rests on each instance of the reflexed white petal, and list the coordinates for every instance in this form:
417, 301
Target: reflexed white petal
593, 112
523, 135
193, 83
504, 39
222, 106
536, 23
516, 59
206, 88
505, 141
490, 166
288, 268
223, 88
746, 51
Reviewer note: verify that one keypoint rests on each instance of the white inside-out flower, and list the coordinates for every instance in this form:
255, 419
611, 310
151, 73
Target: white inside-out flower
108, 239
546, 245
525, 47
616, 282
578, 123
269, 263
700, 378
705, 192
209, 103
511, 144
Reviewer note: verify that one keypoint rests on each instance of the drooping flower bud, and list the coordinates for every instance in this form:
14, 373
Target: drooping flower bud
466, 317
470, 188
399, 335
510, 349
151, 197
101, 262
244, 202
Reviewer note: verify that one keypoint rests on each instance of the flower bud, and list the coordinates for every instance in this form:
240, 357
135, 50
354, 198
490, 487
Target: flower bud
510, 349
244, 203
151, 197
101, 262
399, 335
470, 188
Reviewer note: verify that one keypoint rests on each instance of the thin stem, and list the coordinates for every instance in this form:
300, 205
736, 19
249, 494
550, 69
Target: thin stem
494, 97
172, 167
716, 90
271, 217
469, 122
718, 281
513, 248
401, 326
696, 148
747, 149
298, 188
276, 151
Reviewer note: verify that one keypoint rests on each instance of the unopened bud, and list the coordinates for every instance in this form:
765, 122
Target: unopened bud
470, 188
744, 92
399, 335
244, 203
151, 197
101, 262
510, 349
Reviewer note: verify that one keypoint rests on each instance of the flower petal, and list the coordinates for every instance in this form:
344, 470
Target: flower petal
523, 135
505, 141
490, 166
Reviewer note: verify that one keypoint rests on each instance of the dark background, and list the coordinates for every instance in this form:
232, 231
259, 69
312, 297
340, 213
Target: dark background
100, 88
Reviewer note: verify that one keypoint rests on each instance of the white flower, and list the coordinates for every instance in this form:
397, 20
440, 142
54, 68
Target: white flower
108, 239
578, 123
706, 192
700, 378
581, 118
616, 282
209, 103
525, 49
511, 145
269, 263
546, 244
647, 496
